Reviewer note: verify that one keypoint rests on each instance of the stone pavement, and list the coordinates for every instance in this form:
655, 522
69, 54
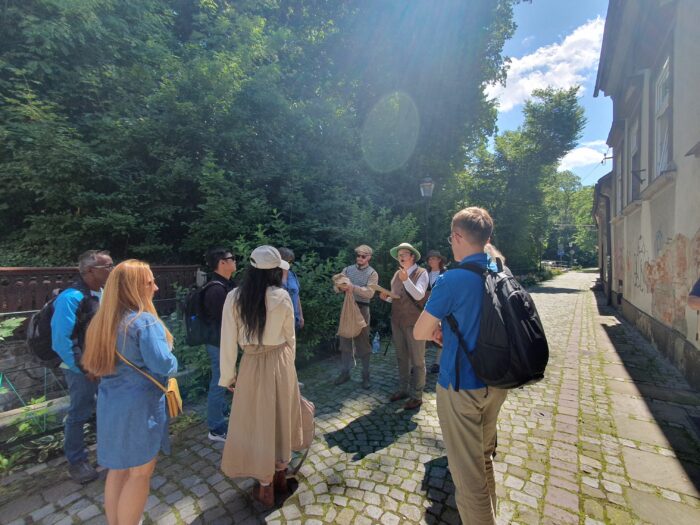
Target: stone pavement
611, 436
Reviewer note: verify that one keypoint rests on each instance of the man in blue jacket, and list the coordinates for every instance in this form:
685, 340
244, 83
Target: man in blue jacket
74, 308
468, 415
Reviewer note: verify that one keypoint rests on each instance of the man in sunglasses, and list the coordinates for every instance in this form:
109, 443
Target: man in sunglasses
74, 308
223, 263
361, 275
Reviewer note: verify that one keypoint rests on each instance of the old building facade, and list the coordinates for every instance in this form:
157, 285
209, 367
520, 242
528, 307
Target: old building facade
648, 207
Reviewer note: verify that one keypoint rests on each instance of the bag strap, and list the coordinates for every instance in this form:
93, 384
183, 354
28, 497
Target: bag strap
481, 270
462, 345
149, 376
415, 303
472, 267
202, 293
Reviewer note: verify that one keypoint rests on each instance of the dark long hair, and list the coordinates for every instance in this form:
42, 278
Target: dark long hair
251, 299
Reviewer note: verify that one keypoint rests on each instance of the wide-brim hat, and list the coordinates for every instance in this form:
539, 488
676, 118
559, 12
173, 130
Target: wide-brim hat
436, 253
404, 246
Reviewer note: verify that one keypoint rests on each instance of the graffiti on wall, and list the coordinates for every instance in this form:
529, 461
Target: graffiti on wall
659, 242
618, 264
669, 278
640, 259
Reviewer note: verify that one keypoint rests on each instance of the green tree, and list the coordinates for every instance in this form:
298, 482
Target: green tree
510, 181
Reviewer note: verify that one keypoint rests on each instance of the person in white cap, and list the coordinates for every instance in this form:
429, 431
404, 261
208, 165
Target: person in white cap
361, 275
265, 423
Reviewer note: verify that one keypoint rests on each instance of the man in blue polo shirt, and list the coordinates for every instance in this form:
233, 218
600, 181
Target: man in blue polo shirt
467, 416
74, 308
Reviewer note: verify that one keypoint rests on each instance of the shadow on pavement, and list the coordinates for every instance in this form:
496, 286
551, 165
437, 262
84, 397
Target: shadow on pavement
373, 431
439, 488
552, 290
257, 512
657, 408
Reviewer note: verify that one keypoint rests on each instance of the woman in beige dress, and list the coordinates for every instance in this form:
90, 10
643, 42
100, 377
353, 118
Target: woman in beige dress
266, 421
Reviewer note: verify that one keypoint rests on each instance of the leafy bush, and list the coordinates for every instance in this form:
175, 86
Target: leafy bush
36, 438
533, 278
8, 326
193, 359
321, 306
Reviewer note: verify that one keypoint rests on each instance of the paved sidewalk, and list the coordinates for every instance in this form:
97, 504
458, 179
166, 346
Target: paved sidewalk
608, 437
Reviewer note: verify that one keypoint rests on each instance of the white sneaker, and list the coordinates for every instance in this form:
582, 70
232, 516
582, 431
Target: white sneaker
217, 437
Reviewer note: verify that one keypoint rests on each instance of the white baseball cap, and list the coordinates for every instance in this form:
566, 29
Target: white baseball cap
267, 258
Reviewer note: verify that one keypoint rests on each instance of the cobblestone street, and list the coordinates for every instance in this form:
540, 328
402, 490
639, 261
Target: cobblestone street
610, 436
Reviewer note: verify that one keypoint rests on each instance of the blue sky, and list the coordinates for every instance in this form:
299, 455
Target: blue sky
557, 43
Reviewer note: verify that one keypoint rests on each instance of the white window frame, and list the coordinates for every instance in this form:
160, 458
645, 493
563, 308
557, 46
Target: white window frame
662, 118
634, 145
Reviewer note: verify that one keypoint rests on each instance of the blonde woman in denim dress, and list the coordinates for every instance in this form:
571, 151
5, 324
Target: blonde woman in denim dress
132, 422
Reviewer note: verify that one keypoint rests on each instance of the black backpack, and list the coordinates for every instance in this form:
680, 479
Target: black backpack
199, 329
39, 332
511, 349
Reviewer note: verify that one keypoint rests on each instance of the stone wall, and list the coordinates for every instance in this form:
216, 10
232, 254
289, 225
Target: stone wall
669, 341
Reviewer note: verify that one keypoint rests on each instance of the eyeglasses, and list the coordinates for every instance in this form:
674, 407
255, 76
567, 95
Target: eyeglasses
449, 237
104, 266
230, 258
361, 256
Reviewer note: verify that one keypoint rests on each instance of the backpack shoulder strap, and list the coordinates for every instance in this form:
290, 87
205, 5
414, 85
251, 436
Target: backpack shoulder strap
203, 290
206, 285
472, 267
460, 340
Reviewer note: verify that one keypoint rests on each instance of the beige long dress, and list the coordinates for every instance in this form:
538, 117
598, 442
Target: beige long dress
266, 421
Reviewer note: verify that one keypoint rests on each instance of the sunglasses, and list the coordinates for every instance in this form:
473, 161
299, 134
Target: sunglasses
231, 258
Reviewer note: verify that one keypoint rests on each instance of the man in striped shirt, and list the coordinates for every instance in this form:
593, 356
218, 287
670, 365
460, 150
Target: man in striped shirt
361, 275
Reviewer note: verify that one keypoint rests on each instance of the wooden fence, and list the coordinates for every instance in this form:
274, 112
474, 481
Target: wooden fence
25, 290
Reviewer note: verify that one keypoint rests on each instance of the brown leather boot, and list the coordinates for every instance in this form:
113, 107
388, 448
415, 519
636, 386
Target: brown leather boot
280, 482
264, 494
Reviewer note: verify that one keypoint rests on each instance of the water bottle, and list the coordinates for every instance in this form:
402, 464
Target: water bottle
376, 343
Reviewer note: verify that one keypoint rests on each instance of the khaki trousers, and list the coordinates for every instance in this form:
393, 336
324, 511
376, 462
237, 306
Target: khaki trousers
410, 357
468, 423
357, 346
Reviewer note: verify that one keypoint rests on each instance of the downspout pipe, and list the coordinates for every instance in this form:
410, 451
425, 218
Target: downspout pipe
608, 247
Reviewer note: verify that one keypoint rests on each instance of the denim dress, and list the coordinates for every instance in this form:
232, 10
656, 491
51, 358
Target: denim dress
132, 421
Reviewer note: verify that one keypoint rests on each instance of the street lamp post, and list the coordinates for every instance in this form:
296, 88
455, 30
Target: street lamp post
426, 191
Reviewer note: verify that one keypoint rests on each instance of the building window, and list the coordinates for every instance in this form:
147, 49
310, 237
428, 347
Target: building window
662, 119
635, 164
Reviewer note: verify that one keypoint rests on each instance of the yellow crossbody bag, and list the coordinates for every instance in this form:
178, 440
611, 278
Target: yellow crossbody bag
172, 392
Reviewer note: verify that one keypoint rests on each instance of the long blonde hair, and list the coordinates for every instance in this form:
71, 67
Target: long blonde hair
492, 251
125, 291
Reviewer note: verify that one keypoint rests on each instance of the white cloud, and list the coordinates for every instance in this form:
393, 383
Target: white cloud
587, 154
562, 65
